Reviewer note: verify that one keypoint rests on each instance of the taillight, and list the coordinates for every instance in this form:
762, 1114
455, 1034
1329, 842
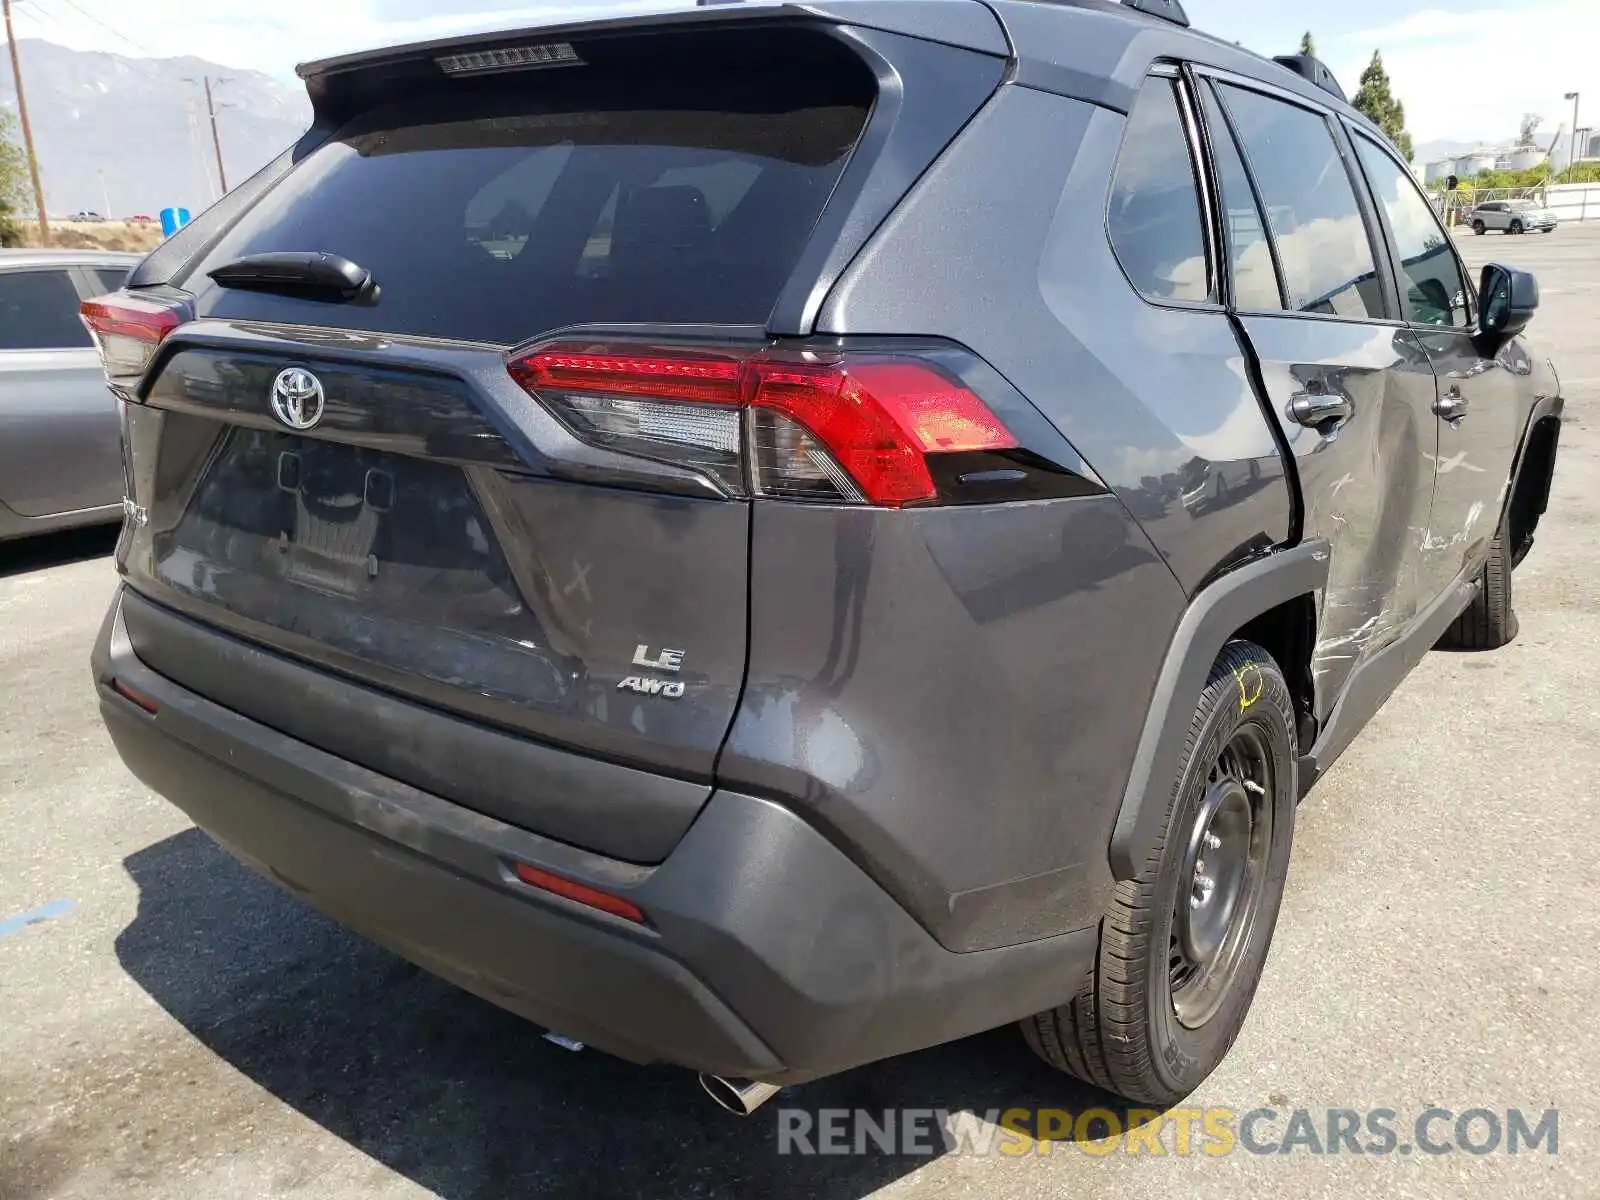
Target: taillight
831, 426
127, 329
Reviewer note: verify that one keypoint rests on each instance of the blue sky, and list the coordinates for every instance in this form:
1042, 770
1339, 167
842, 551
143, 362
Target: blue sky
1465, 69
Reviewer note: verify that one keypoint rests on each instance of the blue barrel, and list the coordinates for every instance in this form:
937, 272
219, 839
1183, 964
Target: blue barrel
173, 219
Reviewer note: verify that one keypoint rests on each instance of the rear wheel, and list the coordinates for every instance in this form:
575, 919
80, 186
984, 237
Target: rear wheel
1489, 622
1183, 944
1479, 228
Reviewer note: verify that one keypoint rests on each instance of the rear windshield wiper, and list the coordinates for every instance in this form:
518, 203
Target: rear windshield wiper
310, 274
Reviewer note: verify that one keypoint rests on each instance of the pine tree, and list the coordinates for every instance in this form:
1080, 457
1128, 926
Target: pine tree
1378, 103
1308, 44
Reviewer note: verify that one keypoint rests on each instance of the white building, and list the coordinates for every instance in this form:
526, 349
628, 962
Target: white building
1521, 158
1468, 165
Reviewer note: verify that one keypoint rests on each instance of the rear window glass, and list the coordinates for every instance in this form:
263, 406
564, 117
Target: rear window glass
39, 311
1154, 215
110, 278
503, 208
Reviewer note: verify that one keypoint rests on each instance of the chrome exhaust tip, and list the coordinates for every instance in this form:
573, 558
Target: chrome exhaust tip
739, 1096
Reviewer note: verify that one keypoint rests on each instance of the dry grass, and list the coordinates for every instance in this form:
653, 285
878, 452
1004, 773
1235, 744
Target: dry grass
138, 237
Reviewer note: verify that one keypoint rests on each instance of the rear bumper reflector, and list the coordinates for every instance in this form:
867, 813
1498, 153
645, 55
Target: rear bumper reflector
579, 892
134, 696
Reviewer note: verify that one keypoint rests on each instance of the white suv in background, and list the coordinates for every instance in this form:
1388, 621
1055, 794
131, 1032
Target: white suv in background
1512, 216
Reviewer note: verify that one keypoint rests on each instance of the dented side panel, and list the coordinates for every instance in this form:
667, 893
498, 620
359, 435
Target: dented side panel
1367, 487
1476, 450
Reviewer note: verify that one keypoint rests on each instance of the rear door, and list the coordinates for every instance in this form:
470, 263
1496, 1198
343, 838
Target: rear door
59, 448
1349, 385
1478, 411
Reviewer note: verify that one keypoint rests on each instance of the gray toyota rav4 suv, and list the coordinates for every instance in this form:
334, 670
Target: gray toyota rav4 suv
765, 537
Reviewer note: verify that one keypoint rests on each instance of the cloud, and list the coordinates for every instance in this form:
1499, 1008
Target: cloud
1474, 75
1430, 25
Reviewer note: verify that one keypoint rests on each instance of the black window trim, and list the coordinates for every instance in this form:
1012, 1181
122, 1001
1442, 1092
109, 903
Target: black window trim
1200, 169
1341, 140
1391, 247
1209, 139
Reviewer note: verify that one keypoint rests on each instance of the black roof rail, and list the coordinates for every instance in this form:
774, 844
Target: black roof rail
1313, 70
1166, 10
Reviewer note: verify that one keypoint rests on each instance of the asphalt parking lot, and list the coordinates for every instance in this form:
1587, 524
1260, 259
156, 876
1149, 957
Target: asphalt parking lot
172, 1027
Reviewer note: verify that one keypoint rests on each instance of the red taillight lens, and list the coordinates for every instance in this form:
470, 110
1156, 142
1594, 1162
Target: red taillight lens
126, 330
851, 427
880, 419
580, 892
699, 378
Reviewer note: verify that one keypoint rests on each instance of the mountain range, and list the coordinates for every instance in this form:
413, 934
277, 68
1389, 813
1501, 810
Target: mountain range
120, 135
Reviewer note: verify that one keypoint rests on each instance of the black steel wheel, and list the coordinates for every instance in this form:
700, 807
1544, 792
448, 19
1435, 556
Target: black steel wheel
1225, 863
1183, 943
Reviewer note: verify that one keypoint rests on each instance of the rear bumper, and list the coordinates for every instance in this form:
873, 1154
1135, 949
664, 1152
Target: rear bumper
768, 954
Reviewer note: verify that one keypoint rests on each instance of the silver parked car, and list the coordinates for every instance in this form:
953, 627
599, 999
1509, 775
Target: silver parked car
60, 444
1512, 216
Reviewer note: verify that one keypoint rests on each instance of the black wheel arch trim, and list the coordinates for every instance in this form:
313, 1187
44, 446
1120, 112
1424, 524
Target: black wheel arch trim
1545, 408
1212, 617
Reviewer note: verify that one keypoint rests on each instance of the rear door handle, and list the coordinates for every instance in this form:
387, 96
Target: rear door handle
1452, 406
1322, 411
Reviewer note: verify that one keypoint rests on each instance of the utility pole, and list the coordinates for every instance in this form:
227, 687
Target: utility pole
1572, 161
216, 142
27, 129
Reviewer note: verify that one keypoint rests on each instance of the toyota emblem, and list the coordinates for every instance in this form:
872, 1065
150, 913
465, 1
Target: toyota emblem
297, 398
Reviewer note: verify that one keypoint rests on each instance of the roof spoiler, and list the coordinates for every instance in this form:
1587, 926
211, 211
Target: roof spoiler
336, 85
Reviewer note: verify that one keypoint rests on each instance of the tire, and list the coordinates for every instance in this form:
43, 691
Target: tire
1123, 1032
1551, 229
1479, 228
1489, 622
1514, 227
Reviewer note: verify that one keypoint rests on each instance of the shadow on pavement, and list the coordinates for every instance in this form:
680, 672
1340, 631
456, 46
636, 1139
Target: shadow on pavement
470, 1101
23, 555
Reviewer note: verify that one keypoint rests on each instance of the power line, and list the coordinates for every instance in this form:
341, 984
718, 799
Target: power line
72, 4
32, 11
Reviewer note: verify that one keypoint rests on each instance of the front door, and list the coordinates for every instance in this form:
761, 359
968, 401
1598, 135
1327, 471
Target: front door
1476, 409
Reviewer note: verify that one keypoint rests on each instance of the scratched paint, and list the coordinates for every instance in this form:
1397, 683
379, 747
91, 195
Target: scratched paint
38, 916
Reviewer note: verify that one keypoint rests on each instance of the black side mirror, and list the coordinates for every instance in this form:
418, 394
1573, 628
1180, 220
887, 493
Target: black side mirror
1507, 300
